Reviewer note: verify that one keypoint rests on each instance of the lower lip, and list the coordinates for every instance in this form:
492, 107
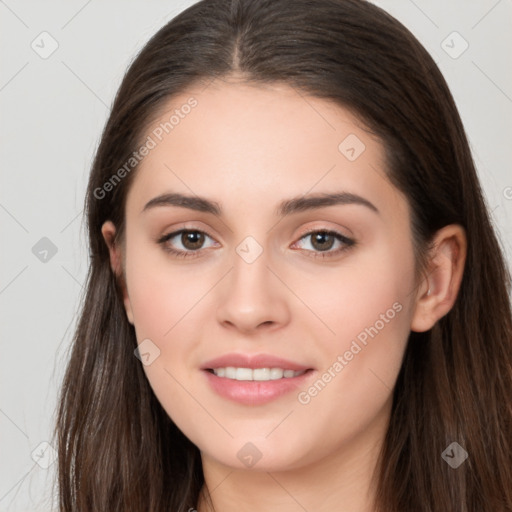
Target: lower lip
251, 392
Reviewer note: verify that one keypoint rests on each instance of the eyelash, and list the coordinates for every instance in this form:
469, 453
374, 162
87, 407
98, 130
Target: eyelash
348, 243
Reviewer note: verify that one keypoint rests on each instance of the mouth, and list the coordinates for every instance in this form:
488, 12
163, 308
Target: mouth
255, 379
256, 374
256, 386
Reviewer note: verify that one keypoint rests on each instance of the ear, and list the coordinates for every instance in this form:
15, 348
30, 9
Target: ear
438, 292
108, 230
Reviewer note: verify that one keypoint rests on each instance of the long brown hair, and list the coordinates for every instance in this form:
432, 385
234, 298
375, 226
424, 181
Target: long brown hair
117, 448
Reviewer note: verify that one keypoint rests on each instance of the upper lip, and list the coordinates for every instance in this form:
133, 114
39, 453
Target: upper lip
252, 361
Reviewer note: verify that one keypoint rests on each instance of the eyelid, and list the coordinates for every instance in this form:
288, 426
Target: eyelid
170, 232
325, 229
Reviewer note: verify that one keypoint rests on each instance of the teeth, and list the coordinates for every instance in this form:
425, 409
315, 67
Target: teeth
243, 374
276, 373
260, 374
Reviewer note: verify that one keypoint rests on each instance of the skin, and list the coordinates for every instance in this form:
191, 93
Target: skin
248, 148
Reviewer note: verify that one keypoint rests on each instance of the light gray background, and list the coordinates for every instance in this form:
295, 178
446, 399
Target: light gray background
52, 114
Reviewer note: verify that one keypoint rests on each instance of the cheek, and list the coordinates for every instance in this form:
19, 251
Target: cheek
161, 295
365, 309
365, 290
164, 299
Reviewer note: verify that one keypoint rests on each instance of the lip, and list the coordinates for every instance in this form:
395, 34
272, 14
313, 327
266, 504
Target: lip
254, 392
253, 361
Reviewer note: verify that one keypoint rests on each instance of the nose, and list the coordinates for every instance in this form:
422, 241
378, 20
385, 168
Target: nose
252, 297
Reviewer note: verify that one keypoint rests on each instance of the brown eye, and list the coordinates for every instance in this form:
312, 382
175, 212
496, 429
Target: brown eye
192, 240
322, 240
185, 243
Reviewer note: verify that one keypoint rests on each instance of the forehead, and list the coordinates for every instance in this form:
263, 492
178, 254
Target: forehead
232, 140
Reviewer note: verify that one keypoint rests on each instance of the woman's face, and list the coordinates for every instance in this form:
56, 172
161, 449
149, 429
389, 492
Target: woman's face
266, 171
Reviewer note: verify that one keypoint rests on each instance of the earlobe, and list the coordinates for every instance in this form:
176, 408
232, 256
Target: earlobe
108, 230
438, 292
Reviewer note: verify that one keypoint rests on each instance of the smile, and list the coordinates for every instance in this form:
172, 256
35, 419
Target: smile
257, 386
259, 374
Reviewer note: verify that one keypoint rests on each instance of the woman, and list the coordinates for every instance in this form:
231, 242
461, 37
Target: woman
296, 299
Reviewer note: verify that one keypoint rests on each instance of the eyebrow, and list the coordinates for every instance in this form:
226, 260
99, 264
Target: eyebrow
287, 207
